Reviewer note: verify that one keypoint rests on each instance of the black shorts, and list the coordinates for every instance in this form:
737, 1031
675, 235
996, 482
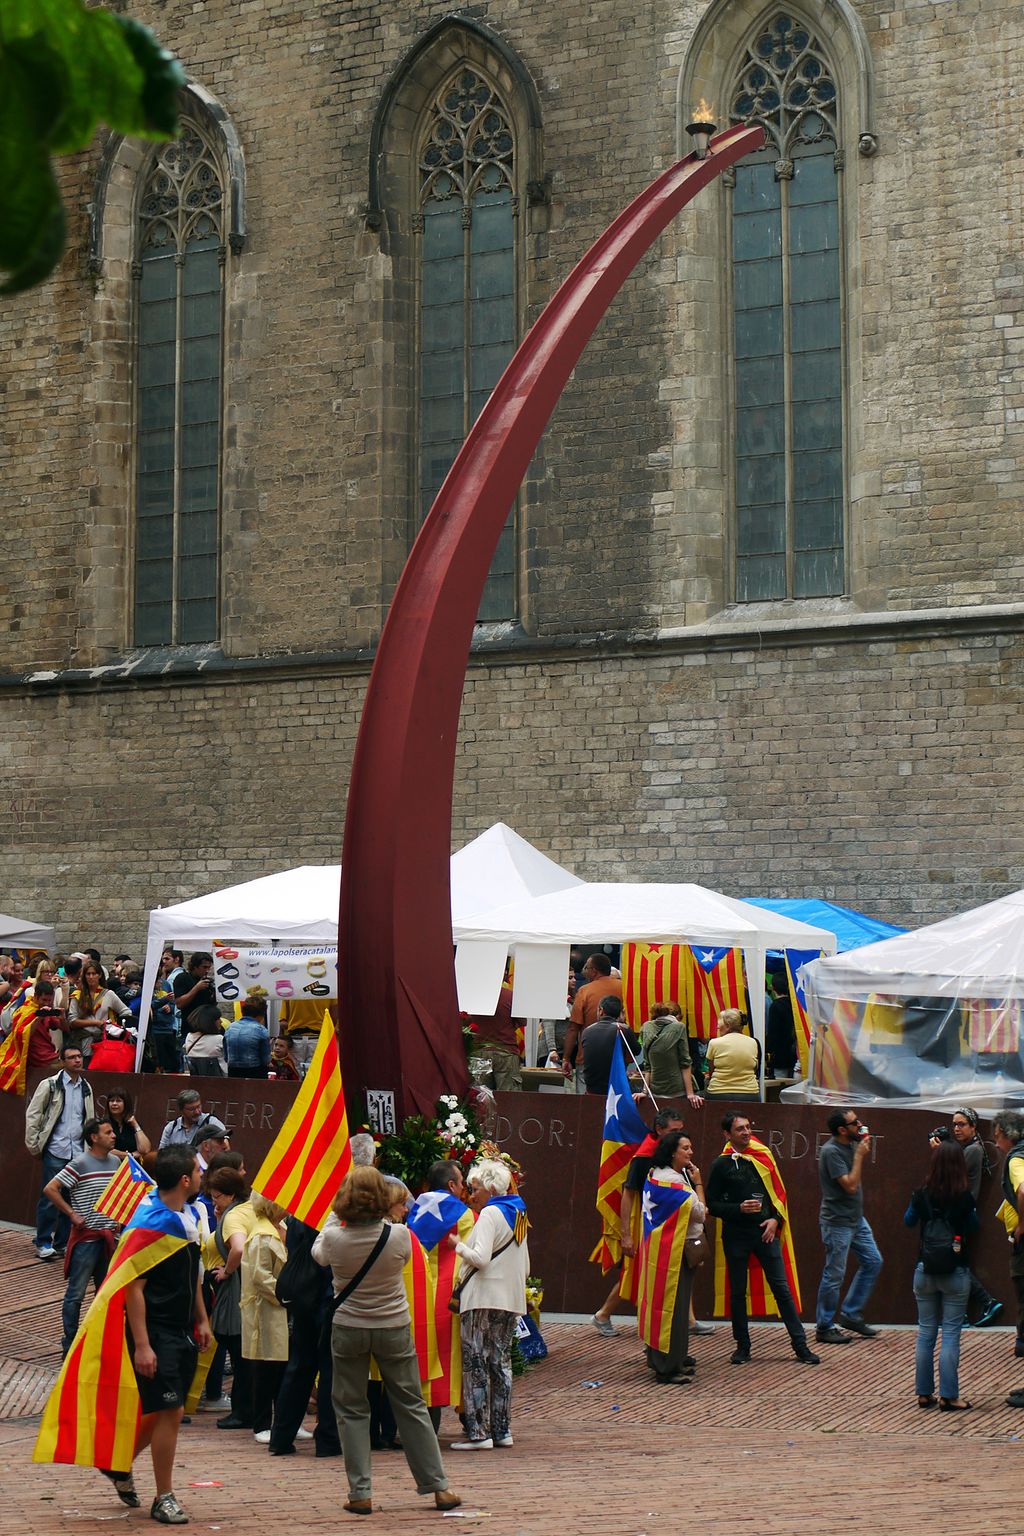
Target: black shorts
176, 1356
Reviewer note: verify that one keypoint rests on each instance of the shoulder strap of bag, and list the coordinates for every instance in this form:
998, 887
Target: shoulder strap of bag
471, 1269
361, 1273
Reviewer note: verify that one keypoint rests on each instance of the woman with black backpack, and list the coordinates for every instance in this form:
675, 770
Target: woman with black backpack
945, 1211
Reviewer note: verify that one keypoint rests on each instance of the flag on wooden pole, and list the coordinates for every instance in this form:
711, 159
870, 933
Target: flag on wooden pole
304, 1168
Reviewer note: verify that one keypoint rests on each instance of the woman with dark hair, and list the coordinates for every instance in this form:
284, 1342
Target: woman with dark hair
674, 1212
92, 1007
204, 1043
945, 1211
128, 1133
964, 1124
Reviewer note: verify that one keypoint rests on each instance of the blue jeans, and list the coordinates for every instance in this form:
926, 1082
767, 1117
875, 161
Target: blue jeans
838, 1242
88, 1261
52, 1226
941, 1302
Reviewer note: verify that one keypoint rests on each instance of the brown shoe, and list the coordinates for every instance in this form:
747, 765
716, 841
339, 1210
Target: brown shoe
359, 1506
447, 1499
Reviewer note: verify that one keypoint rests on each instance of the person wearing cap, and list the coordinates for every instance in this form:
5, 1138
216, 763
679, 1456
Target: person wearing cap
598, 1042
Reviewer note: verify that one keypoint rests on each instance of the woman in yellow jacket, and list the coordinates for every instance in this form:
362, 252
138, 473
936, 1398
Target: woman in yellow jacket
264, 1319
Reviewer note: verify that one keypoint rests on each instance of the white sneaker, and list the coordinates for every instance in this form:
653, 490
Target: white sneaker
472, 1445
303, 1434
46, 1252
505, 1441
215, 1405
703, 1328
262, 1437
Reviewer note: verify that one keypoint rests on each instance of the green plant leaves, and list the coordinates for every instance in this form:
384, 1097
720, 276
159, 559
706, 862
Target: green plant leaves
64, 68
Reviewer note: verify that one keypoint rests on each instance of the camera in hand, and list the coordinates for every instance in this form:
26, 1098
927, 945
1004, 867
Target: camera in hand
940, 1133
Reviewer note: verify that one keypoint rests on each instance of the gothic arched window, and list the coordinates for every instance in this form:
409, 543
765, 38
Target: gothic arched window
179, 268
787, 286
466, 224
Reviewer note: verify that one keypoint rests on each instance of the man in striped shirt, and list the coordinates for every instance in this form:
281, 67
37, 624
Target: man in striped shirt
75, 1190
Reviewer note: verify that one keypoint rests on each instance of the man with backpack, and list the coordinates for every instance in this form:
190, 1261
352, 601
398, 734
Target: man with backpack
844, 1228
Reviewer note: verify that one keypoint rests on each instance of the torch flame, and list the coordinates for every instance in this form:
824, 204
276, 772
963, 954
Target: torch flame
704, 113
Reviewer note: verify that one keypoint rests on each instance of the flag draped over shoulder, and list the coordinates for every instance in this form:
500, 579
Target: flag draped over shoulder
795, 958
623, 1133
433, 1216
667, 1204
760, 1301
311, 1154
92, 1416
125, 1193
716, 980
14, 1051
653, 973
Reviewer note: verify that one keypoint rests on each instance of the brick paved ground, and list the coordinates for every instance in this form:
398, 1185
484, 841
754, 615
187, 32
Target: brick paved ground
773, 1449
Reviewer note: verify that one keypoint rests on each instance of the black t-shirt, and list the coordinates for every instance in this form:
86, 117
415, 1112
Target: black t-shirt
184, 983
598, 1044
636, 1175
170, 1291
125, 1139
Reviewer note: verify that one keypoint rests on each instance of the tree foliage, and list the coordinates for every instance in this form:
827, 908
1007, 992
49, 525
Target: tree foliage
65, 67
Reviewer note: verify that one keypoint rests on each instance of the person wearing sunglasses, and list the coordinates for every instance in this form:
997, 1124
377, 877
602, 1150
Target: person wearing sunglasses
964, 1125
845, 1229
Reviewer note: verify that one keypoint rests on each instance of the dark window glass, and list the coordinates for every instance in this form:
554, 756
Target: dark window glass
467, 321
788, 323
178, 400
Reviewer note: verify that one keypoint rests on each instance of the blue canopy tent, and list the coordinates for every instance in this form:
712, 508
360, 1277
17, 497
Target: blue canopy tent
852, 929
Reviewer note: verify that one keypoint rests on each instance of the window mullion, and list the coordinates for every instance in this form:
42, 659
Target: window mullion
179, 326
785, 177
467, 339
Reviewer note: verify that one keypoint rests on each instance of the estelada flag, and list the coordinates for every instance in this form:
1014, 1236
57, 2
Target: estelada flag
760, 1301
623, 1132
795, 958
125, 1192
667, 1204
716, 980
14, 1051
311, 1154
653, 973
92, 1415
419, 1293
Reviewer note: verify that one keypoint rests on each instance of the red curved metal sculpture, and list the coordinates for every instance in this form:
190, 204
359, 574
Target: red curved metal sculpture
400, 1022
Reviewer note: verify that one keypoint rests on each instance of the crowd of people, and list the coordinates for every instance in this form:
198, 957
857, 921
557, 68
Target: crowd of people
288, 1312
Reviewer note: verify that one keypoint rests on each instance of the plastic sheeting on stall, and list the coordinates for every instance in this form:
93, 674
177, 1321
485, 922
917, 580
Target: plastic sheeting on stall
931, 1017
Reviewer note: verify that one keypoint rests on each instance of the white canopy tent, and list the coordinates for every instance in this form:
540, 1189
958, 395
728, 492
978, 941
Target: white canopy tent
299, 907
541, 929
20, 933
929, 1016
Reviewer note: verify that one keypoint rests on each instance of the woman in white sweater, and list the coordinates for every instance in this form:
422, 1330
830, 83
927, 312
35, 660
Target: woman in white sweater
492, 1301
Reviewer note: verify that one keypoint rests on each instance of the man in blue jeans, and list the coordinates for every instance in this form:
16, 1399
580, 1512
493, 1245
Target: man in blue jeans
54, 1121
843, 1228
74, 1191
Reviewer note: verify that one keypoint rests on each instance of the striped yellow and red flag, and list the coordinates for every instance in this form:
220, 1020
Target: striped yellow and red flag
760, 1301
436, 1214
653, 973
623, 1133
716, 982
991, 1027
311, 1154
419, 1289
794, 959
125, 1192
834, 1046
92, 1416
14, 1051
667, 1203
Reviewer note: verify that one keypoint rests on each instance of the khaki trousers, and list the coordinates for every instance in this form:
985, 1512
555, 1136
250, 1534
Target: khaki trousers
392, 1348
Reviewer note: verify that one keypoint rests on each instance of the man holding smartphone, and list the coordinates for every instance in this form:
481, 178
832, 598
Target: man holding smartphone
844, 1228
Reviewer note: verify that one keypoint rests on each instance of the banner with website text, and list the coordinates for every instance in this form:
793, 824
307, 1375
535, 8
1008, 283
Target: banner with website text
284, 973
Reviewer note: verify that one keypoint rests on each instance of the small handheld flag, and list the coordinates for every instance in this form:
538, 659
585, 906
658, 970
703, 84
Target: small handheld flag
125, 1192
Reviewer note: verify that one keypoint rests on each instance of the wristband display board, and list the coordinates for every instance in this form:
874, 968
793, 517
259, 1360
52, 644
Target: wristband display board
284, 973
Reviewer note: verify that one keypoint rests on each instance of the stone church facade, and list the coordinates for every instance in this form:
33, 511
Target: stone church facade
756, 618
